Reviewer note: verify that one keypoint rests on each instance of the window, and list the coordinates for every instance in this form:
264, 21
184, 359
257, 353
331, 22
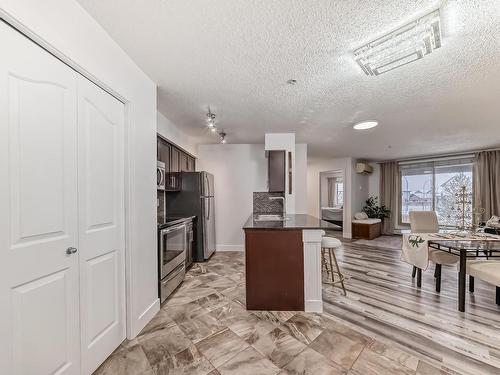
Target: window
435, 186
335, 192
339, 193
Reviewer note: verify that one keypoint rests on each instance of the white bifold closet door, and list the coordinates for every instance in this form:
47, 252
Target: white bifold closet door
100, 223
62, 288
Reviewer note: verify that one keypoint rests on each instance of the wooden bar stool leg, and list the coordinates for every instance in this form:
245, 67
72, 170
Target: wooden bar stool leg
498, 295
413, 272
324, 261
331, 264
419, 278
341, 276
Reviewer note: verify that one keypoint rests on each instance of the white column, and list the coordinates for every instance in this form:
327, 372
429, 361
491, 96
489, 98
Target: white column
313, 299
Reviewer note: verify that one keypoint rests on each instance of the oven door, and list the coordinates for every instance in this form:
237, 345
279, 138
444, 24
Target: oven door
172, 248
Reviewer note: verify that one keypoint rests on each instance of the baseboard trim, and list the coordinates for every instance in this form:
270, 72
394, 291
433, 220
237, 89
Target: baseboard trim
145, 318
313, 306
230, 247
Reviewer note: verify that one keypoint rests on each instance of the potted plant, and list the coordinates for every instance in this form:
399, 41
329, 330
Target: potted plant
374, 211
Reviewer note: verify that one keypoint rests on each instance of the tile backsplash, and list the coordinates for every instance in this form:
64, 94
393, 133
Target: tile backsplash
263, 205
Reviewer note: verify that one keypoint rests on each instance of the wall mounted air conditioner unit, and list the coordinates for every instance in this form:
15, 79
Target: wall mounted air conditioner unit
364, 168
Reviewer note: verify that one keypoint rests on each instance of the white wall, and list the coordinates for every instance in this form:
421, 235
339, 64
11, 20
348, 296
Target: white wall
374, 181
239, 170
301, 183
175, 135
359, 186
64, 25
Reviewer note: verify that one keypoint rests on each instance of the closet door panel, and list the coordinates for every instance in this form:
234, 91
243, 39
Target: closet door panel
39, 307
101, 217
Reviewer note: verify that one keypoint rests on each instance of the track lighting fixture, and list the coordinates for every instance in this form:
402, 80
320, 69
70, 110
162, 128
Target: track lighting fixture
222, 137
210, 119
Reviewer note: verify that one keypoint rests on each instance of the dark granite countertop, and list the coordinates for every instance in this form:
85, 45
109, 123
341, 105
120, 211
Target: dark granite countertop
295, 221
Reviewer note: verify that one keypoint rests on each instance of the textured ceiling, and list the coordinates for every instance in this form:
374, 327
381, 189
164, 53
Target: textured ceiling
236, 56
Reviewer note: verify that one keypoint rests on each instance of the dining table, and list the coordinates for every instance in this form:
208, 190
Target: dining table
467, 249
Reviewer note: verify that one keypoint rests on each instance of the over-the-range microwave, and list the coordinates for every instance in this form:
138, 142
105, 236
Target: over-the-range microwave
160, 175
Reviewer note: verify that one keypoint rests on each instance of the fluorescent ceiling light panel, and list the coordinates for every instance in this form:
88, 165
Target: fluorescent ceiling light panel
404, 45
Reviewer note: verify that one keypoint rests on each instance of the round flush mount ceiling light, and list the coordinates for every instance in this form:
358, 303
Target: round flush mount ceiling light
363, 125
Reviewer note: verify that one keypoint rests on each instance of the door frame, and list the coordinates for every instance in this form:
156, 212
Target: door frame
345, 218
42, 43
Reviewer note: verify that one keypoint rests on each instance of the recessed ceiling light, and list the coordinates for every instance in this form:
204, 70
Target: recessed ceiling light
365, 125
404, 45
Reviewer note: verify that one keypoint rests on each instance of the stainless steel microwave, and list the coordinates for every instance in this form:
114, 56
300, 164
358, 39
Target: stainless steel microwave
160, 175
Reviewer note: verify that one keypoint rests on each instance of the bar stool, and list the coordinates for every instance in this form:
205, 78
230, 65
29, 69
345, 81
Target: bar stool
328, 246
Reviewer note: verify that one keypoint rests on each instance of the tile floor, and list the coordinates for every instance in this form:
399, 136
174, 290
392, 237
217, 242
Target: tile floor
203, 328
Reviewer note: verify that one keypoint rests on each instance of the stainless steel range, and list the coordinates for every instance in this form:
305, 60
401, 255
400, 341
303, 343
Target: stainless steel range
173, 245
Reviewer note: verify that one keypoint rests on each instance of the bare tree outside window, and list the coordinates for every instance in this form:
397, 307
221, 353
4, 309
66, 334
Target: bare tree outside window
446, 200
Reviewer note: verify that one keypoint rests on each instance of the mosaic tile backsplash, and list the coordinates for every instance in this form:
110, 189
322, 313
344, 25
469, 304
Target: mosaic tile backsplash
263, 205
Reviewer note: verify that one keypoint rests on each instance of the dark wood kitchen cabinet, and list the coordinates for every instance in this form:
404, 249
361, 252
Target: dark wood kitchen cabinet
174, 172
176, 161
187, 163
190, 164
276, 171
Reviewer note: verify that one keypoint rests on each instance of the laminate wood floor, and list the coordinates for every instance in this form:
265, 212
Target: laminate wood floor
384, 302
385, 325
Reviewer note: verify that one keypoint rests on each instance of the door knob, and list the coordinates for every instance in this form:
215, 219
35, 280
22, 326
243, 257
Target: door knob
71, 250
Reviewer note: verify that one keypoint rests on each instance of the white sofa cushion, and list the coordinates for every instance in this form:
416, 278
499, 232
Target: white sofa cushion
367, 221
360, 216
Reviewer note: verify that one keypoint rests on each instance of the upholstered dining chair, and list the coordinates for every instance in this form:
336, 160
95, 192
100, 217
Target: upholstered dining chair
486, 270
427, 222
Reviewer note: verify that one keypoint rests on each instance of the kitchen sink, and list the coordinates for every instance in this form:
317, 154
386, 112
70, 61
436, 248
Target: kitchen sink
269, 218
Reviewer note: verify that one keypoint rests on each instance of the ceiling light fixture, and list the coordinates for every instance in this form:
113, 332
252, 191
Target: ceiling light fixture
210, 119
404, 45
211, 125
222, 137
365, 125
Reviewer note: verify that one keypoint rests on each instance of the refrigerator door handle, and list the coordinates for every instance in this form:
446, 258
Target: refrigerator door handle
207, 184
207, 203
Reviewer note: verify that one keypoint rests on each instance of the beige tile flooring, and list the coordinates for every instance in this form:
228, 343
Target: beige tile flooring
203, 328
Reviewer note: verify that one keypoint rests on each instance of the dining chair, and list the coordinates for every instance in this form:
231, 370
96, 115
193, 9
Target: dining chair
486, 270
427, 222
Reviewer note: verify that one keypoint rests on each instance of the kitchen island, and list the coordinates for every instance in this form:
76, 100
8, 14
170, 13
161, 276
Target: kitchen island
283, 263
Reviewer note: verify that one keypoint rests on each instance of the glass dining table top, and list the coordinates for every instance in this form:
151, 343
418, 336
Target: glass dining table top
468, 245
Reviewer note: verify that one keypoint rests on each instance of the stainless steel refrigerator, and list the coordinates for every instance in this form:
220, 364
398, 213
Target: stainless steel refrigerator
196, 198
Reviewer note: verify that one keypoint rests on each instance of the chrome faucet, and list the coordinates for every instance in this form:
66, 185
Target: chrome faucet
284, 204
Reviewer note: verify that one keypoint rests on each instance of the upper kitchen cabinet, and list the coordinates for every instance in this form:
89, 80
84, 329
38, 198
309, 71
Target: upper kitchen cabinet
190, 164
176, 161
276, 171
186, 163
